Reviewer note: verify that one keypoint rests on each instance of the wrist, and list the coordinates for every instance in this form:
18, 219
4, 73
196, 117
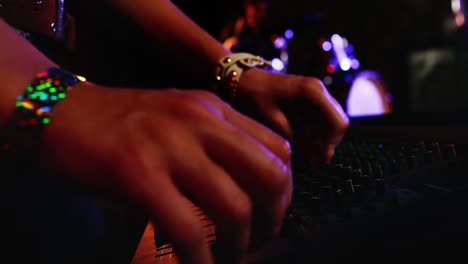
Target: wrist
19, 61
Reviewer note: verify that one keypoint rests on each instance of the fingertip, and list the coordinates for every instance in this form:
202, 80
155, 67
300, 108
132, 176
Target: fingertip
329, 155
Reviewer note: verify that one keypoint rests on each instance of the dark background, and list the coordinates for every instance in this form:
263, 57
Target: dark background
384, 34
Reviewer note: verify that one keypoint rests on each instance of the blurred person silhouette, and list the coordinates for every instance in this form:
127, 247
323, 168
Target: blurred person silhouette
253, 31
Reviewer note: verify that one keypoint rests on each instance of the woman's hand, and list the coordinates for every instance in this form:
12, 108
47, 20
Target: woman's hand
298, 107
160, 147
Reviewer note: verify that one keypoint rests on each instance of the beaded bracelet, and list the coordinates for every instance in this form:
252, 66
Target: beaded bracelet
230, 69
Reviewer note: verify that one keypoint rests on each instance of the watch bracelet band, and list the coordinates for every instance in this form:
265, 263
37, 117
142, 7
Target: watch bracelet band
34, 107
230, 69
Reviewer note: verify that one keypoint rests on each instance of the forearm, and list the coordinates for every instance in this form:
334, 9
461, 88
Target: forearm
194, 49
19, 62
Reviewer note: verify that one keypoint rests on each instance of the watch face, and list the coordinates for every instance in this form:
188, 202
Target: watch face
35, 106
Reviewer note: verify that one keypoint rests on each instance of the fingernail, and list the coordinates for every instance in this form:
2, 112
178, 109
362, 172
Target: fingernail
287, 146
